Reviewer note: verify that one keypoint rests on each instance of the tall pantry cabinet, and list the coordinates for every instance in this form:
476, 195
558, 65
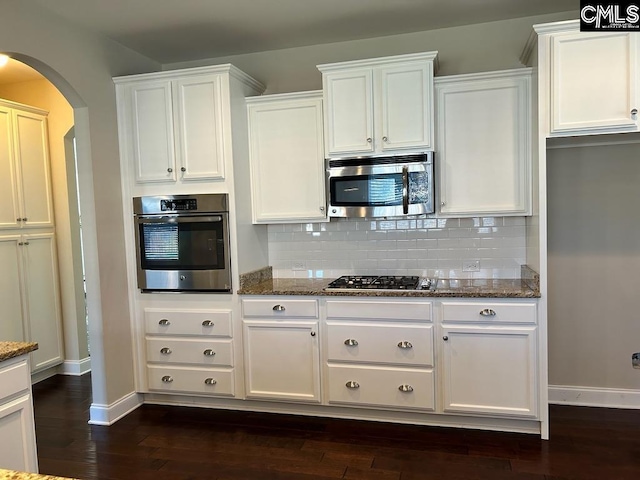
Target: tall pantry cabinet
29, 287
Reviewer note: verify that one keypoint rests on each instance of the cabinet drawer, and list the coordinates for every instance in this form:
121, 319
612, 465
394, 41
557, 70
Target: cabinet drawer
381, 387
215, 323
203, 352
280, 308
14, 378
388, 310
380, 343
206, 381
489, 312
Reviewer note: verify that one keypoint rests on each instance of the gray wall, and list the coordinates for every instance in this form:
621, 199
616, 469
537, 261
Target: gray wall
472, 48
594, 265
81, 65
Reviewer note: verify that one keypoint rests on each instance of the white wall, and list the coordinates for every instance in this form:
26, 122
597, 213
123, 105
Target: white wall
472, 48
594, 266
81, 66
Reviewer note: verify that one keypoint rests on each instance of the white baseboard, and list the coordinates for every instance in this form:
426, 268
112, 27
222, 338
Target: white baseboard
76, 367
109, 414
594, 397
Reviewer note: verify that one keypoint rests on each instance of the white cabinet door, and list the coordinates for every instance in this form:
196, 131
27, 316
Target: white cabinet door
152, 131
406, 107
282, 360
11, 294
17, 428
32, 156
349, 112
483, 155
43, 299
594, 82
287, 158
199, 125
490, 370
10, 212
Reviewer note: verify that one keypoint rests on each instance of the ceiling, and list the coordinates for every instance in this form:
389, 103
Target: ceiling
187, 30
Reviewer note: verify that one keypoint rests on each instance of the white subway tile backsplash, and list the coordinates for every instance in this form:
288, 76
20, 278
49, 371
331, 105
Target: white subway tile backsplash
411, 246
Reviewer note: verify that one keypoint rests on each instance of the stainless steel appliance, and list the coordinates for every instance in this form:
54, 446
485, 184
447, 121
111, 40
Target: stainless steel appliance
380, 282
380, 186
182, 243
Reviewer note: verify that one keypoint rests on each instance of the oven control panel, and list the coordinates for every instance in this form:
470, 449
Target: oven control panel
179, 204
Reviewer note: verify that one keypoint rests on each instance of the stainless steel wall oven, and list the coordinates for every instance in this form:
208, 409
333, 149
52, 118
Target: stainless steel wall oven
182, 243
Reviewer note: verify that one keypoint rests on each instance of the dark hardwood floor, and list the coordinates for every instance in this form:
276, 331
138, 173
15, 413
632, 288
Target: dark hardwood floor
181, 443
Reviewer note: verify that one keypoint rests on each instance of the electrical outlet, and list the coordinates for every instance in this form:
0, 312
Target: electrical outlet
299, 265
635, 360
471, 266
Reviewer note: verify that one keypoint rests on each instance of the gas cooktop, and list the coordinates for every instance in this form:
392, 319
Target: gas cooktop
380, 282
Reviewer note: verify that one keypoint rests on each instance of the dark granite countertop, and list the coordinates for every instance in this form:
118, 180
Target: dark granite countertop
262, 283
14, 349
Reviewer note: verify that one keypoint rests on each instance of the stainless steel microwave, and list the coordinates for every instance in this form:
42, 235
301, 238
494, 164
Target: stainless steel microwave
183, 243
380, 186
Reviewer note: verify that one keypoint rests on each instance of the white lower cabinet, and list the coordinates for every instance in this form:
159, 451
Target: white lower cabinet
17, 426
189, 351
489, 363
281, 352
380, 354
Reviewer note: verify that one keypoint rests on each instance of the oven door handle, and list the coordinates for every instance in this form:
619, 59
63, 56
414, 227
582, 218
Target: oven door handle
179, 218
405, 190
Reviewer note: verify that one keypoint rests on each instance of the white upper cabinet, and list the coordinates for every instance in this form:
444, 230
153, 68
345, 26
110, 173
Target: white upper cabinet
484, 143
25, 182
382, 105
174, 125
287, 158
593, 79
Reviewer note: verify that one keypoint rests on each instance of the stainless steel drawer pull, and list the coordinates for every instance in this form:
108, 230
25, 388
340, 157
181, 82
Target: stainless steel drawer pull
165, 351
167, 379
164, 322
487, 312
210, 381
405, 344
209, 353
351, 342
352, 384
207, 323
405, 388
279, 308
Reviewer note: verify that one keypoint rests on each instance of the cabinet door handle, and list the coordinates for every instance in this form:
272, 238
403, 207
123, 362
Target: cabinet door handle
165, 351
322, 209
207, 323
209, 353
369, 140
26, 243
167, 379
183, 169
18, 219
405, 388
351, 384
634, 112
405, 344
385, 139
313, 334
279, 308
351, 342
169, 169
488, 312
445, 338
164, 322
24, 219
210, 381
20, 243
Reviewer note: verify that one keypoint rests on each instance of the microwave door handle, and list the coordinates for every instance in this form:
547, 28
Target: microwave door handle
405, 190
180, 219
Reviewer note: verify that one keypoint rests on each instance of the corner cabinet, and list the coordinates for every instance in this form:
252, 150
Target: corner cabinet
173, 125
25, 178
381, 105
286, 150
281, 352
483, 157
594, 79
